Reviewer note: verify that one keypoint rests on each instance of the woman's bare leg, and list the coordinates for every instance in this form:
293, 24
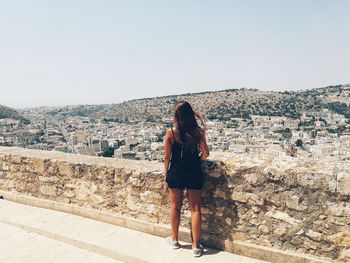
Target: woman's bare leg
176, 196
194, 204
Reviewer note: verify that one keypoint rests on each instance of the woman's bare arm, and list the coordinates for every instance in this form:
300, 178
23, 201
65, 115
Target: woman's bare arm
167, 151
204, 147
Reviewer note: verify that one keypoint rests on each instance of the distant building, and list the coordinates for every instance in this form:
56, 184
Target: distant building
94, 144
157, 146
104, 145
154, 138
145, 134
256, 149
130, 141
61, 147
79, 137
129, 155
118, 153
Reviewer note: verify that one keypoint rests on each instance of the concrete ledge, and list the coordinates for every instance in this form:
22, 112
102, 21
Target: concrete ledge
237, 247
273, 255
128, 222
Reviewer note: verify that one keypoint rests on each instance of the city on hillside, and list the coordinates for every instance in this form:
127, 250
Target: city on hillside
314, 133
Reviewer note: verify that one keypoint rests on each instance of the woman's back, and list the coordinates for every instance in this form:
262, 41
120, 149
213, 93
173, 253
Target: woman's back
181, 153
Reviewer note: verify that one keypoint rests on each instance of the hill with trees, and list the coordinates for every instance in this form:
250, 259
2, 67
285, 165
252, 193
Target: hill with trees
7, 112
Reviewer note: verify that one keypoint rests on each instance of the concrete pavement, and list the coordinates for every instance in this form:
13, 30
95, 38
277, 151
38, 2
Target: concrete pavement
34, 234
21, 246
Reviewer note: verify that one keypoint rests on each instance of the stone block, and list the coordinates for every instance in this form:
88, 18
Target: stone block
315, 236
39, 166
65, 169
341, 239
283, 217
280, 231
48, 190
344, 255
263, 229
249, 198
343, 185
293, 203
339, 209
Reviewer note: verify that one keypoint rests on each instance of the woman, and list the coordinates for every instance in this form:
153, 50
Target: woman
181, 145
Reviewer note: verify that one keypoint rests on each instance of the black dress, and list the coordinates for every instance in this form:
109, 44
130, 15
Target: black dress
185, 168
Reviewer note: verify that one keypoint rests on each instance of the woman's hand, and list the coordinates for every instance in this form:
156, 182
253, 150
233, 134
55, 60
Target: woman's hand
165, 177
204, 148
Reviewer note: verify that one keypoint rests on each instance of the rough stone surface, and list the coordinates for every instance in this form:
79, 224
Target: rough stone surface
315, 236
283, 202
293, 203
344, 255
341, 239
283, 217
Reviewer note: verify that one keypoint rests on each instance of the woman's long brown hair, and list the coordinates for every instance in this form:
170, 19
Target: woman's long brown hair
185, 119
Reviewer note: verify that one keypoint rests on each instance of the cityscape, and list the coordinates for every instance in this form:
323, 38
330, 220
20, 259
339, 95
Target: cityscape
91, 172
316, 134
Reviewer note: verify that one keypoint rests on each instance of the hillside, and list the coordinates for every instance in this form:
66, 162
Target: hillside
229, 103
78, 110
6, 112
223, 104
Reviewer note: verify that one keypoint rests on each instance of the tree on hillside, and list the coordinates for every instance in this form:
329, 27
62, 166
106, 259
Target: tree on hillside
299, 143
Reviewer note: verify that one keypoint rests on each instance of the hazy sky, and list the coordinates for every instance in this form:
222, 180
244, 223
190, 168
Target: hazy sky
90, 52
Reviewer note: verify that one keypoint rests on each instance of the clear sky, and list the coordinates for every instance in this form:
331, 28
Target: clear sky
107, 51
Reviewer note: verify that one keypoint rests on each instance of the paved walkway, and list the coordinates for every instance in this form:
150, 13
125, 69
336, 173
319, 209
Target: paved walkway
21, 246
32, 234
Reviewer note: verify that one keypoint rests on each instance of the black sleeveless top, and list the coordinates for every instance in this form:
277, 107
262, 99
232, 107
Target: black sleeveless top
183, 156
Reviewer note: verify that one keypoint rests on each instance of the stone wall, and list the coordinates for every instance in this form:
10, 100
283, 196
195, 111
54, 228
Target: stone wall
283, 203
